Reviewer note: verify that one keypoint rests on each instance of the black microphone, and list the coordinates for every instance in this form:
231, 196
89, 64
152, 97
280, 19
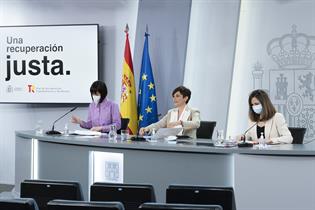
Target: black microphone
244, 143
52, 131
137, 138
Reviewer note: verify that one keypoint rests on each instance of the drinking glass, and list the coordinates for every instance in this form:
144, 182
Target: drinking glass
39, 127
124, 134
220, 137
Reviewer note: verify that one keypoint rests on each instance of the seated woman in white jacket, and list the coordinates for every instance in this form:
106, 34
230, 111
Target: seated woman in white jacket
264, 119
181, 116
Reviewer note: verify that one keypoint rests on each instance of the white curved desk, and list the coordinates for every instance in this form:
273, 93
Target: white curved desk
281, 177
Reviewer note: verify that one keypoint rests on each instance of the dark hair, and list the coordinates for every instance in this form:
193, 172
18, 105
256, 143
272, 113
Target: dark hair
268, 110
183, 91
99, 86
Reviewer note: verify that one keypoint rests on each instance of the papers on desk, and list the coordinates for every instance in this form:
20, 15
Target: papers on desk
168, 134
171, 139
164, 133
86, 133
273, 143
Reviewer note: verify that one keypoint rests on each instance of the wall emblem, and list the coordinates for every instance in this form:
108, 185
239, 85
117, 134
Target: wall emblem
292, 83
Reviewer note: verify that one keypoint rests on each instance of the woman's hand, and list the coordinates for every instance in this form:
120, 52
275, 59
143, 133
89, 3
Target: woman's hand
75, 119
142, 131
97, 128
255, 142
173, 124
269, 141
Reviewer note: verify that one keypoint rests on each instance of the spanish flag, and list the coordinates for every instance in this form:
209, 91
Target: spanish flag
128, 104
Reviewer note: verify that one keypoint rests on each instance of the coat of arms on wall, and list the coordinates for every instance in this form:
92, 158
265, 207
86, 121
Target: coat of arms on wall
292, 83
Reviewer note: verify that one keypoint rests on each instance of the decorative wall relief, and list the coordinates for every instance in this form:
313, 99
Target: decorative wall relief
292, 83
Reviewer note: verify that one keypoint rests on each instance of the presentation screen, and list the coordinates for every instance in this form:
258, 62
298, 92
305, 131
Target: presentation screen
48, 64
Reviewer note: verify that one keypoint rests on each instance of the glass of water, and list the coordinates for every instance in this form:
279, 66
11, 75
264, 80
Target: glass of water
220, 137
39, 127
124, 134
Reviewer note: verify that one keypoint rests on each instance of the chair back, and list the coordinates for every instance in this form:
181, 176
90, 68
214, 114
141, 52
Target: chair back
172, 206
297, 134
124, 124
18, 204
83, 205
223, 196
43, 191
131, 195
205, 130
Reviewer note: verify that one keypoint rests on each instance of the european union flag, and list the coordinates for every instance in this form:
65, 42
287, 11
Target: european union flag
147, 107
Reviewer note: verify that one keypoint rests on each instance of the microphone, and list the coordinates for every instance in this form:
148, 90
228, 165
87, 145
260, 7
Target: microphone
137, 138
244, 143
52, 131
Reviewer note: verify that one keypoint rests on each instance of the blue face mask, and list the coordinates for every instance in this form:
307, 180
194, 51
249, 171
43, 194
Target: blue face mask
257, 108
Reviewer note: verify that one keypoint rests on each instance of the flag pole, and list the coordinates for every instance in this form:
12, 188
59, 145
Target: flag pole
126, 29
128, 107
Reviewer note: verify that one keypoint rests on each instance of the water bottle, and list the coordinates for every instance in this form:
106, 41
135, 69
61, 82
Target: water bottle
262, 141
153, 132
66, 130
153, 137
112, 135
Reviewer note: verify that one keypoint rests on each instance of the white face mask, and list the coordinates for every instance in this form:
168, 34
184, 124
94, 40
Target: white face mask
257, 108
96, 98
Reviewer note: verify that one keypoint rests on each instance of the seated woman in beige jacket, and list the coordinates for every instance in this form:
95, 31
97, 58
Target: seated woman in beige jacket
264, 119
181, 116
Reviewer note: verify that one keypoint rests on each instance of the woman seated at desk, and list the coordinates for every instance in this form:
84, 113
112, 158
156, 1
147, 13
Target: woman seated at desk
265, 120
102, 112
181, 116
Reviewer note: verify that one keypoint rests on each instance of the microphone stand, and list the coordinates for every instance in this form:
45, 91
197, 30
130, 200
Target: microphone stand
52, 131
137, 137
244, 143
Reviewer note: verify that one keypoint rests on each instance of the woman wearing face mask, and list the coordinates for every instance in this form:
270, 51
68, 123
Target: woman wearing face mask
264, 119
102, 112
181, 116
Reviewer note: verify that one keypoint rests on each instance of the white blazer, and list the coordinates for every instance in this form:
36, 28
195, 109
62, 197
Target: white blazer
276, 130
190, 118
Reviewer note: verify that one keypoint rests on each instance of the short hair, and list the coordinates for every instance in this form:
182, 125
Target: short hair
268, 110
183, 91
99, 86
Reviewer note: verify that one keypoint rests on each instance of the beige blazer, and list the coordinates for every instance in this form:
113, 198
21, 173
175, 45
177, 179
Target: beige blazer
190, 118
276, 130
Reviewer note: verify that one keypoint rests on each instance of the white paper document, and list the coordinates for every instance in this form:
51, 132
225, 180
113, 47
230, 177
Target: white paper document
86, 133
166, 132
